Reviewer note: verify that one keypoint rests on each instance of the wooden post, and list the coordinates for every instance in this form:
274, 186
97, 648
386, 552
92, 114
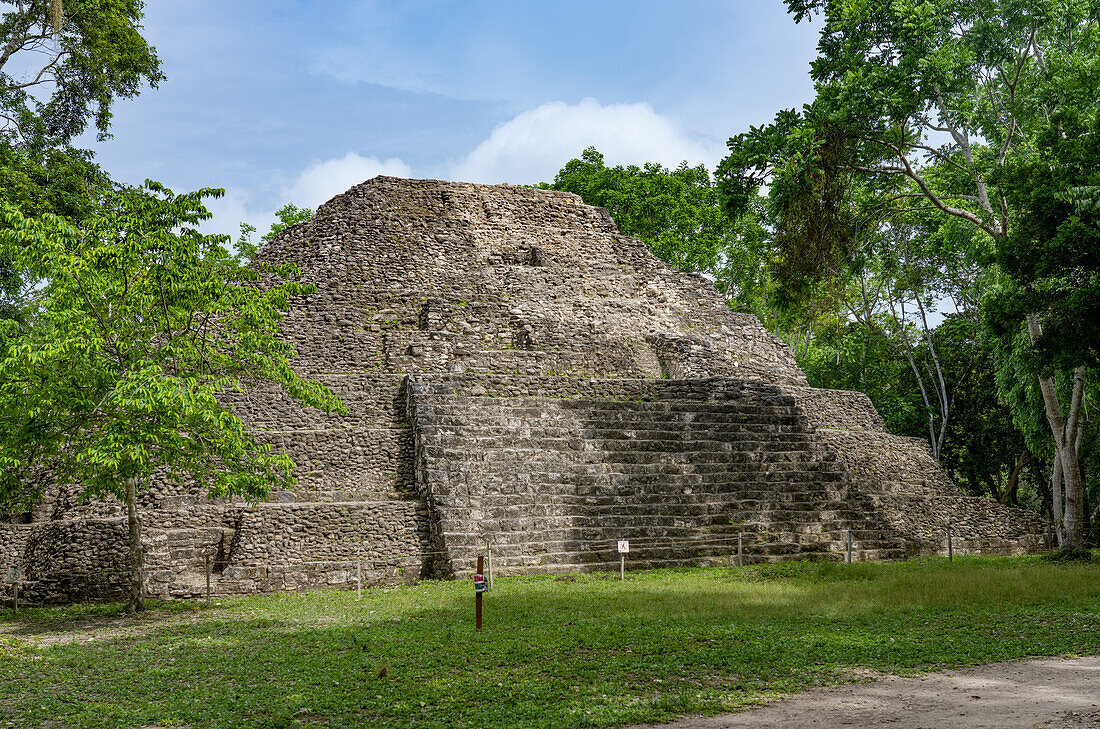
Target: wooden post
477, 598
622, 567
358, 574
206, 559
15, 596
950, 546
849, 546
740, 553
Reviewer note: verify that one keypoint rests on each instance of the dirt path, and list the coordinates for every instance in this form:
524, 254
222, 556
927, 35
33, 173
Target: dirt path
1048, 693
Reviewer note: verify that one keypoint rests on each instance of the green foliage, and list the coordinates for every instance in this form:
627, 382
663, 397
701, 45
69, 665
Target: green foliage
1017, 387
808, 210
57, 73
674, 211
71, 72
286, 216
983, 444
919, 103
137, 326
1052, 253
974, 125
1071, 554
852, 356
678, 215
35, 181
64, 182
586, 652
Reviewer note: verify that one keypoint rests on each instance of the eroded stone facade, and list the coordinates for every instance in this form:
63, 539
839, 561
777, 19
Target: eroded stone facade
520, 373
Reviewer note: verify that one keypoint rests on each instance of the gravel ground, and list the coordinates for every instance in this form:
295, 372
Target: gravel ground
1048, 693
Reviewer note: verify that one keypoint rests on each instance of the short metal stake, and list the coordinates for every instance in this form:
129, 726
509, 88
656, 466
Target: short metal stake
358, 574
477, 597
489, 565
950, 546
849, 546
206, 560
740, 552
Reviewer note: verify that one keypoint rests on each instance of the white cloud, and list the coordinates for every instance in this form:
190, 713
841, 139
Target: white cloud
535, 144
322, 180
313, 186
531, 147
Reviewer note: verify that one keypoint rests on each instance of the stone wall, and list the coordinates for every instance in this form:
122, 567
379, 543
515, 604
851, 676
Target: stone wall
68, 560
13, 545
837, 409
892, 462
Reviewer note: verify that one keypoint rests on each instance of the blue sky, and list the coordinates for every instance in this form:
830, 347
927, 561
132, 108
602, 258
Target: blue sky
283, 101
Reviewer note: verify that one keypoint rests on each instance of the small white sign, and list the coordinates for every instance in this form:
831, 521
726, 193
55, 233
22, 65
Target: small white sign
14, 575
624, 546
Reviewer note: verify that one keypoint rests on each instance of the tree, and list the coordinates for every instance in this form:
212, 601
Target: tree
62, 65
983, 450
1021, 392
1052, 253
909, 270
929, 103
64, 182
678, 215
1052, 260
137, 326
286, 216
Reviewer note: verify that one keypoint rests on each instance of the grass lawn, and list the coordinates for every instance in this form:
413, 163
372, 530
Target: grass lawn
583, 651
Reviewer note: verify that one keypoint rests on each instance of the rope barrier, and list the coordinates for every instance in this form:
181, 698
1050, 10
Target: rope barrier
392, 560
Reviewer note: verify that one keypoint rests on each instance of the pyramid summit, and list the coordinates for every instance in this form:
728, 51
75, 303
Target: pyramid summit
522, 375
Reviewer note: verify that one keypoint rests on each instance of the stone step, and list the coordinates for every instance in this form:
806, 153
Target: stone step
576, 438
652, 431
658, 528
556, 414
440, 404
571, 561
521, 449
659, 413
541, 475
522, 442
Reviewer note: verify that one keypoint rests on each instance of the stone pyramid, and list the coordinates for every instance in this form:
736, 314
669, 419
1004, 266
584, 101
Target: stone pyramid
522, 376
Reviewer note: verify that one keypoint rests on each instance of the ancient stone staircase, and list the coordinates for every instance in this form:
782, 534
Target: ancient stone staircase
553, 482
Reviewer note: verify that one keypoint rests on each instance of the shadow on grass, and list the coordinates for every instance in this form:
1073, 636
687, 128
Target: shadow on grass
585, 652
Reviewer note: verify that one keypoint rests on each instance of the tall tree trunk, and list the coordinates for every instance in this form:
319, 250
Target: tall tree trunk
137, 557
56, 15
934, 441
1074, 520
939, 383
1057, 502
995, 487
1072, 531
1010, 491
